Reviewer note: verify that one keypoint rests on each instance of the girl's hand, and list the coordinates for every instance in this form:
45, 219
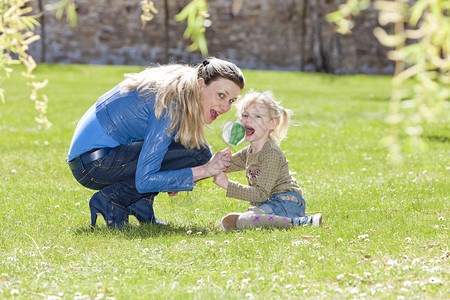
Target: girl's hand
218, 163
171, 194
221, 180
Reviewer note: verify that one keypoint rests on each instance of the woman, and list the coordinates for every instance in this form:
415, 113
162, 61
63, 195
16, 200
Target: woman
146, 136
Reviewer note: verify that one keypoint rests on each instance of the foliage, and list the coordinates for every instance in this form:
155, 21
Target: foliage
69, 7
421, 51
196, 14
386, 227
148, 12
16, 34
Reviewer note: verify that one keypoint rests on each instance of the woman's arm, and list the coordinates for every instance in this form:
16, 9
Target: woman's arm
149, 178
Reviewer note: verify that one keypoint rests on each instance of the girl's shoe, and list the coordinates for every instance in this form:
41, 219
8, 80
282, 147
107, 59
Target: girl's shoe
142, 210
113, 215
316, 220
229, 221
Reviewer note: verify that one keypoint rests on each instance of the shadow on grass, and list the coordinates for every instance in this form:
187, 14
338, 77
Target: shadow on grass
437, 138
144, 231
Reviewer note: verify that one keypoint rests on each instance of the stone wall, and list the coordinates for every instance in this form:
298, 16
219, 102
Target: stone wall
263, 34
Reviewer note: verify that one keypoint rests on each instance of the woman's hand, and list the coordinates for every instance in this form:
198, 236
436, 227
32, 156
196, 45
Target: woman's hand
221, 180
218, 163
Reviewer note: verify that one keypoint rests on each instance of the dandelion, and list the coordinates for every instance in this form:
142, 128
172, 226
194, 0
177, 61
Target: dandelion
408, 239
407, 283
246, 280
77, 204
183, 241
145, 250
189, 231
249, 295
391, 262
363, 236
320, 258
302, 262
441, 219
226, 242
70, 249
339, 240
435, 269
261, 278
197, 210
223, 273
200, 282
301, 276
199, 233
289, 286
340, 277
13, 171
14, 292
434, 280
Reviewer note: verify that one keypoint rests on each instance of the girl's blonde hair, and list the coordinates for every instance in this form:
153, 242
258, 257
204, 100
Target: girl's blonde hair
275, 110
178, 94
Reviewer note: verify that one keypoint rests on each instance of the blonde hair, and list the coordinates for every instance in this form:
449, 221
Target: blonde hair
178, 94
274, 108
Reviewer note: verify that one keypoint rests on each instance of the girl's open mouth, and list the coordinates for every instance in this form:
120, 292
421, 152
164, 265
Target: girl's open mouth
249, 131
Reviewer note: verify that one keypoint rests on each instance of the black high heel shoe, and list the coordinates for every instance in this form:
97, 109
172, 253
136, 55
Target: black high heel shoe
114, 216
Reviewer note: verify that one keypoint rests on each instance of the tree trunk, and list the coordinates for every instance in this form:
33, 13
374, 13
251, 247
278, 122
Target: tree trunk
166, 31
303, 31
42, 21
316, 35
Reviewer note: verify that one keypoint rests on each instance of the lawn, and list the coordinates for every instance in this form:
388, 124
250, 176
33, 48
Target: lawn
385, 233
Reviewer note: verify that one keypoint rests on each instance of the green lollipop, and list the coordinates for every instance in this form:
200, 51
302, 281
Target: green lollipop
233, 133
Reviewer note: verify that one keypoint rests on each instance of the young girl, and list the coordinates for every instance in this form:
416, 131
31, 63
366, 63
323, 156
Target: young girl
272, 189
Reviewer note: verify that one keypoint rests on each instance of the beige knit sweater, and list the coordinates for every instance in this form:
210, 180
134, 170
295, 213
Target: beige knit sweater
267, 174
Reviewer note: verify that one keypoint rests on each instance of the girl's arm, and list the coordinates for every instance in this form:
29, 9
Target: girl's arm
238, 161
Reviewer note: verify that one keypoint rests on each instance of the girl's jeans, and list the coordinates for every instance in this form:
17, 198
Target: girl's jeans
114, 174
275, 205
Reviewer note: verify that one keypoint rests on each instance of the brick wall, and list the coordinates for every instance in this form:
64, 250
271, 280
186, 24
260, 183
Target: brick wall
263, 34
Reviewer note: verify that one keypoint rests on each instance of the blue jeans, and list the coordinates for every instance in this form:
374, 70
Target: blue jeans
284, 208
115, 173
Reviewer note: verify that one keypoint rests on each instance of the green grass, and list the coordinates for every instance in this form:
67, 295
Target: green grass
386, 231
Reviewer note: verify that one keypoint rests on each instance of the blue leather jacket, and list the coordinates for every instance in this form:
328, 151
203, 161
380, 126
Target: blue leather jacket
128, 118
